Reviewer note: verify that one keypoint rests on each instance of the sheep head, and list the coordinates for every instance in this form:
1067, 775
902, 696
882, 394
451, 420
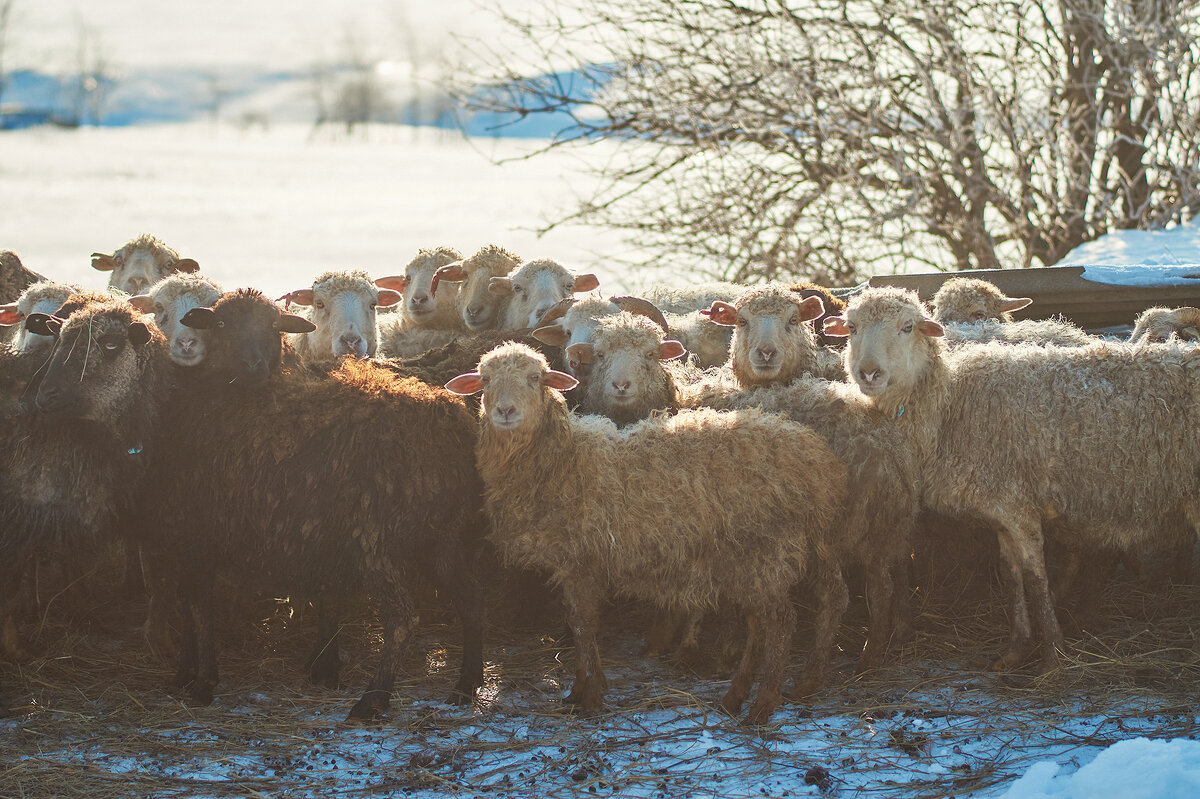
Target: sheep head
968, 299
517, 385
246, 344
343, 309
141, 263
771, 341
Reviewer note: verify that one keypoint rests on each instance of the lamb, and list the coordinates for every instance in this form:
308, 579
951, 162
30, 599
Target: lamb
629, 377
42, 297
645, 521
343, 307
169, 300
1034, 435
772, 340
1156, 325
308, 493
479, 308
15, 277
140, 263
969, 299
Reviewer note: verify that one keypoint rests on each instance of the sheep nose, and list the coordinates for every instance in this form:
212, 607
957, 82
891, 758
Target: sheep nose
505, 412
870, 376
186, 345
352, 341
418, 300
48, 397
473, 312
766, 353
621, 386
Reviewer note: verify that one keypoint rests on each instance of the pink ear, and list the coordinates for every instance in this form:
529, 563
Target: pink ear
1015, 303
836, 326
554, 335
142, 302
103, 261
928, 327
586, 283
466, 384
559, 380
453, 273
187, 265
393, 282
811, 308
9, 315
299, 297
389, 297
721, 313
580, 353
670, 349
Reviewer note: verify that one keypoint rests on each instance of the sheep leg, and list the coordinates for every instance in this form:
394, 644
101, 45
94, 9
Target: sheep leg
398, 616
832, 598
201, 689
779, 625
186, 663
583, 611
157, 628
10, 604
468, 601
662, 633
687, 653
325, 661
902, 605
880, 601
1021, 546
743, 678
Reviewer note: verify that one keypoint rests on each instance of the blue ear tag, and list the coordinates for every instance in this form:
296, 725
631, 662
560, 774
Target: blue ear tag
900, 412
136, 449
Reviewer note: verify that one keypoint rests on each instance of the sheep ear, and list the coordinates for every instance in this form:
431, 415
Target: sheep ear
836, 326
452, 273
43, 324
586, 283
463, 385
298, 297
9, 315
389, 297
559, 380
671, 349
811, 308
580, 353
554, 335
103, 262
139, 334
294, 323
199, 319
1015, 303
188, 265
502, 286
721, 313
393, 282
142, 302
928, 327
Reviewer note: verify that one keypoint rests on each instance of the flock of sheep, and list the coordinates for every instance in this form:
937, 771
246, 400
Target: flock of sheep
397, 430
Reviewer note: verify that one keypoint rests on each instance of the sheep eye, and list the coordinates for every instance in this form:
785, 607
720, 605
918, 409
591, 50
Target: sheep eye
907, 327
158, 309
518, 290
651, 355
741, 322
978, 316
111, 344
795, 320
318, 304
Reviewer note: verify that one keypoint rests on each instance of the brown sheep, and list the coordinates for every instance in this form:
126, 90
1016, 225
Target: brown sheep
15, 277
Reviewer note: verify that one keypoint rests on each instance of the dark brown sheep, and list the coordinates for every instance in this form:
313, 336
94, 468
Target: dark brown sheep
14, 277
300, 480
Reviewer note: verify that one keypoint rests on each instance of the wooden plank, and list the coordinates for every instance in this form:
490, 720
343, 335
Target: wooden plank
1060, 291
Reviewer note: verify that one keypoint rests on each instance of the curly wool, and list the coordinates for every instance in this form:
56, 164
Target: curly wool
1043, 332
622, 345
962, 299
14, 277
1156, 325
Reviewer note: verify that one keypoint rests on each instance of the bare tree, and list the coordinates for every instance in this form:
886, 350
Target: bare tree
94, 76
347, 92
837, 138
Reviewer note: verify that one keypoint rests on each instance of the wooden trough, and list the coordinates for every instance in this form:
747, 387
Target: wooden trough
1062, 291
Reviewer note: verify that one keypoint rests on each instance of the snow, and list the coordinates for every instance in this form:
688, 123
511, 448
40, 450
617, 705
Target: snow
1136, 769
1146, 258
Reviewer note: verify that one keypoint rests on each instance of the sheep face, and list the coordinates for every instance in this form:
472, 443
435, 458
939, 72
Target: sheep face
627, 379
95, 368
479, 308
44, 298
968, 299
535, 288
516, 382
246, 343
422, 306
1158, 325
170, 300
889, 336
343, 309
771, 342
140, 264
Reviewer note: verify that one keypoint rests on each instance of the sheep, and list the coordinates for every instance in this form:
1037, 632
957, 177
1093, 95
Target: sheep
643, 520
629, 377
833, 305
425, 320
41, 297
169, 300
684, 300
140, 263
969, 299
574, 321
294, 478
1041, 332
15, 277
343, 307
772, 340
535, 288
74, 462
479, 308
1033, 435
1156, 325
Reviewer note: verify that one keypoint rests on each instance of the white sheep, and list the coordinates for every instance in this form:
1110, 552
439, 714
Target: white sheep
140, 263
169, 300
426, 320
342, 304
685, 512
969, 299
535, 288
42, 297
479, 308
683, 300
1156, 325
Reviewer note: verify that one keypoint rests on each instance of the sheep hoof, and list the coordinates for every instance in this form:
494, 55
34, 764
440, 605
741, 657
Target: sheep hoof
1010, 660
759, 715
200, 692
461, 695
802, 689
371, 706
731, 704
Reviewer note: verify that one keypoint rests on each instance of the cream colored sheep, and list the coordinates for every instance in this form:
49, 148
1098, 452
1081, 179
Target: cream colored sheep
342, 305
140, 263
169, 300
479, 308
969, 299
1156, 325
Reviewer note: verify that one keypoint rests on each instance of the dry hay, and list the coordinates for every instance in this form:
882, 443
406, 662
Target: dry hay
93, 717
